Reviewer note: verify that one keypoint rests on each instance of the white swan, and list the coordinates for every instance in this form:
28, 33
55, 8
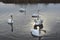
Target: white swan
22, 10
35, 15
37, 33
10, 20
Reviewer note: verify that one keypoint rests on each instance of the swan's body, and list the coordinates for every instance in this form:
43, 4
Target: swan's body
35, 15
10, 21
37, 33
22, 10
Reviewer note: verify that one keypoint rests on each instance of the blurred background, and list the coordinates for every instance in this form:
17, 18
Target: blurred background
23, 21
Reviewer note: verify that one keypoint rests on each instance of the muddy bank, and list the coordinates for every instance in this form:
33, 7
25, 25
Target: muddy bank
30, 1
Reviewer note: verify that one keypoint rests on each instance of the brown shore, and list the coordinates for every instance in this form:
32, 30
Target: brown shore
30, 1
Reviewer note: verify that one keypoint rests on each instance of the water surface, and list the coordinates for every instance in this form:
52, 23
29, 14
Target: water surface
23, 23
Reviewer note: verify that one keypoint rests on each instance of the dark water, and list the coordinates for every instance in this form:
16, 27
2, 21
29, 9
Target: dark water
23, 22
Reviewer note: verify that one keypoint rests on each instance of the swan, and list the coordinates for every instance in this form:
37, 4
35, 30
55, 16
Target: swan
22, 10
37, 33
35, 15
10, 20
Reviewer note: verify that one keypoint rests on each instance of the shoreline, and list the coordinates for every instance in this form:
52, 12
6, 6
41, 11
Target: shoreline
30, 1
